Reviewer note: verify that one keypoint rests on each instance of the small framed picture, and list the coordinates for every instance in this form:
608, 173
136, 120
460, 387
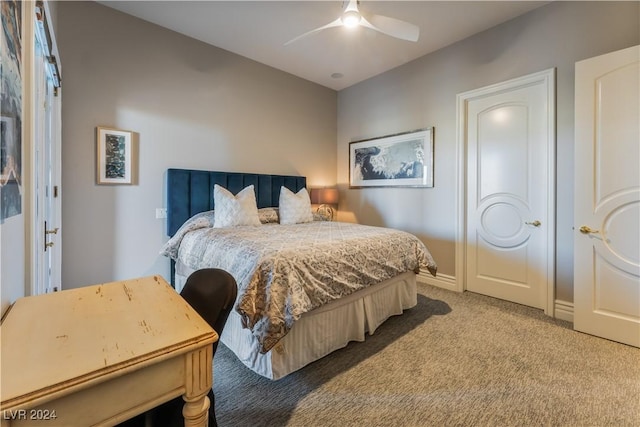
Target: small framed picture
115, 160
400, 160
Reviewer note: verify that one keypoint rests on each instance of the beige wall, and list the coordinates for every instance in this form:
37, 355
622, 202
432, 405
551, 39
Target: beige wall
197, 106
423, 93
192, 106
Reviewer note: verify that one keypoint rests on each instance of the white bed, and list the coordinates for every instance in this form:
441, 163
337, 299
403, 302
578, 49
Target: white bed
364, 276
305, 287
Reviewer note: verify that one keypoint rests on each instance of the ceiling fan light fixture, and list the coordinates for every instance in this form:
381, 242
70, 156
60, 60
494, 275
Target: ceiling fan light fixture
351, 18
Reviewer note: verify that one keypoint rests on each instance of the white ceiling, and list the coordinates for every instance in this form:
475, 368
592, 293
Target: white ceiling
259, 29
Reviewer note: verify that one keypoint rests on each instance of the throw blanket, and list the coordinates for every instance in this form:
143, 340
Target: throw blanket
284, 271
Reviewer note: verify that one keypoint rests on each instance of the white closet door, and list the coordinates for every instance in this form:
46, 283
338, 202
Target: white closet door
607, 196
509, 141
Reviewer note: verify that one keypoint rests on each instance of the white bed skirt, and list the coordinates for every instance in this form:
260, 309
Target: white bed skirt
322, 330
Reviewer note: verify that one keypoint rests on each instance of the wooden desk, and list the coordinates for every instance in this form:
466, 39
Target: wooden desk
102, 354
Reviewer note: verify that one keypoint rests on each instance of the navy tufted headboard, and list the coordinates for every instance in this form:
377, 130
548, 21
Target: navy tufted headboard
191, 191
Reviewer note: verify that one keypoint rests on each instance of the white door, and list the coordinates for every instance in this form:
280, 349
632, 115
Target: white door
50, 195
607, 196
46, 171
509, 186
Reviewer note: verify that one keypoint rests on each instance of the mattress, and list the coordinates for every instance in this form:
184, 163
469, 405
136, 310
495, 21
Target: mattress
285, 271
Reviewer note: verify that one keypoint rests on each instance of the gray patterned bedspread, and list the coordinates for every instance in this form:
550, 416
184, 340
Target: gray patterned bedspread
284, 271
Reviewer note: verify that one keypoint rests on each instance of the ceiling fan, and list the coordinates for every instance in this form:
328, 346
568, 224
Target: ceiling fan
351, 18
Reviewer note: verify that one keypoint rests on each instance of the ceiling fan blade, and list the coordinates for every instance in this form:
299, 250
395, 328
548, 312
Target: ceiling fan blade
352, 5
336, 23
393, 27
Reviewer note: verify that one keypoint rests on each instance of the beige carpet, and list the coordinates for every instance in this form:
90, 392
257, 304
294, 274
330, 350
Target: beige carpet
453, 360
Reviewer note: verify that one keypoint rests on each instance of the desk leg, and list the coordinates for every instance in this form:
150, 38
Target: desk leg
196, 412
199, 378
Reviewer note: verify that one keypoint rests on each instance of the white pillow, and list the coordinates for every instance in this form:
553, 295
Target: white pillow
295, 208
231, 210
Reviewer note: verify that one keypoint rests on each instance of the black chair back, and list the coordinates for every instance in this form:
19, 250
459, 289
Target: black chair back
212, 293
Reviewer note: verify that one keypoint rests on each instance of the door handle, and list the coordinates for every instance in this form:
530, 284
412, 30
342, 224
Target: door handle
535, 223
47, 245
585, 229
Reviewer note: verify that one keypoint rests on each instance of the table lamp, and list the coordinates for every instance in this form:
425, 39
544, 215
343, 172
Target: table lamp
326, 198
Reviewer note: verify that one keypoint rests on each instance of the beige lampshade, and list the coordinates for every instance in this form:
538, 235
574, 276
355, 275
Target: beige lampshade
324, 196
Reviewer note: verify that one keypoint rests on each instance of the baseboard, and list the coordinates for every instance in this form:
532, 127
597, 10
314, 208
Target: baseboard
564, 310
440, 280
